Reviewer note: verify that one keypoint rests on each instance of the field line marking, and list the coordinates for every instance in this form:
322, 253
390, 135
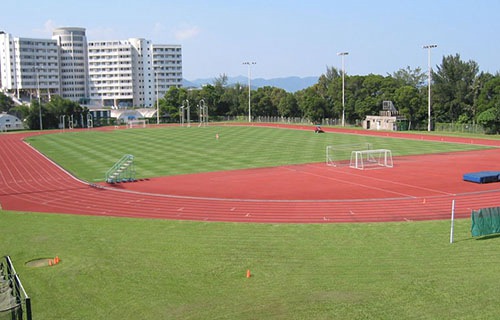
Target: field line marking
401, 184
354, 183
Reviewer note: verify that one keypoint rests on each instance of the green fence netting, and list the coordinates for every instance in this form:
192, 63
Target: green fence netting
485, 221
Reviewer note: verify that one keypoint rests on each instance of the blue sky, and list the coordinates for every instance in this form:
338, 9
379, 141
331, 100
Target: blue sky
284, 38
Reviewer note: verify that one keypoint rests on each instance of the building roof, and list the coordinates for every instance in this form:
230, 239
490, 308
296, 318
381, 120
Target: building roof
147, 112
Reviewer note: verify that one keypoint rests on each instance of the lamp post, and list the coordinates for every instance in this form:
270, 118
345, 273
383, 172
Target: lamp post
37, 69
429, 47
188, 112
342, 54
249, 88
62, 121
157, 101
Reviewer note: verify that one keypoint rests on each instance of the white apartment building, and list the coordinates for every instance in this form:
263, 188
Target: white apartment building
72, 43
29, 67
166, 69
132, 72
110, 73
119, 73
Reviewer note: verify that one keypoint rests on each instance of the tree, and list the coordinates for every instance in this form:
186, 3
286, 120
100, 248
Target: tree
234, 101
32, 118
221, 80
329, 87
489, 105
364, 95
58, 107
263, 102
288, 107
312, 106
22, 112
489, 96
6, 103
453, 89
490, 120
409, 100
224, 102
209, 95
410, 77
174, 98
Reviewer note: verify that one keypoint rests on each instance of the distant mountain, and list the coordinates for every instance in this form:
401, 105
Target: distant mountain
290, 84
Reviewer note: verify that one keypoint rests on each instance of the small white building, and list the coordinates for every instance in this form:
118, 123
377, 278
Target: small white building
147, 112
126, 115
9, 122
388, 119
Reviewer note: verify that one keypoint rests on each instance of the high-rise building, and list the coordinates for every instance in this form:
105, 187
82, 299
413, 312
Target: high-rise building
29, 67
166, 70
118, 73
73, 74
110, 73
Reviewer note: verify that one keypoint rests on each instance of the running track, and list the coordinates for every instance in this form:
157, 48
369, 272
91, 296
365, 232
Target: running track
31, 182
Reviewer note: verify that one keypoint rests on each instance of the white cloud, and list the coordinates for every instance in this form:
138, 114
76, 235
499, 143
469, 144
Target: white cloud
186, 32
47, 28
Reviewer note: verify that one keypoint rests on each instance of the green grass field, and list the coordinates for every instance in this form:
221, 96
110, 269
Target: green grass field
124, 268
118, 268
179, 150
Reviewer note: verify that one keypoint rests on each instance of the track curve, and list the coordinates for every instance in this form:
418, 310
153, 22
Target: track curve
31, 182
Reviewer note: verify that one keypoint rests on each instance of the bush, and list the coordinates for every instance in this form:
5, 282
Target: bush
490, 120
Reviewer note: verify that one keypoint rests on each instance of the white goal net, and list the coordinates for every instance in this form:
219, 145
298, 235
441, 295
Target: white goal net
339, 155
137, 123
364, 159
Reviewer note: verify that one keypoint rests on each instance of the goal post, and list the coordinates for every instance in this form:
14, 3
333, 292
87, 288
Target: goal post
137, 123
364, 159
339, 155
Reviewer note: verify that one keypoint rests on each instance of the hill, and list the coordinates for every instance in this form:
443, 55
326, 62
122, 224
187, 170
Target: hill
290, 84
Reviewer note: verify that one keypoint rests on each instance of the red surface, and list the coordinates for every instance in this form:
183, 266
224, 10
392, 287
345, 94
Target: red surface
417, 188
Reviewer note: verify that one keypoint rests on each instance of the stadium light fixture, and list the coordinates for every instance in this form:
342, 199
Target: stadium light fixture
429, 77
342, 54
249, 88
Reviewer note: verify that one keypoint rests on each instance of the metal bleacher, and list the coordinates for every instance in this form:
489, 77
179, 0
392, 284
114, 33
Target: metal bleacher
122, 171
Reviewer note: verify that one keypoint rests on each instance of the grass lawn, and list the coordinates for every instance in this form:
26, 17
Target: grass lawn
119, 268
179, 150
125, 268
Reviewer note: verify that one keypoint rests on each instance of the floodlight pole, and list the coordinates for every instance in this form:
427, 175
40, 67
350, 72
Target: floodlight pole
429, 47
181, 115
157, 101
203, 110
37, 69
62, 121
342, 54
249, 88
188, 112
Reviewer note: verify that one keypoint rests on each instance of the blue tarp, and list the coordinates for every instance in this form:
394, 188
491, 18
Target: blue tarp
482, 176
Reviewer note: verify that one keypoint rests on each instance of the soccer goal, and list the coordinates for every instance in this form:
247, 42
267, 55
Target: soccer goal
364, 159
137, 123
339, 155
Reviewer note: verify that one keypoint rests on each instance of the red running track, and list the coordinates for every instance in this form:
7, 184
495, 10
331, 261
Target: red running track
417, 188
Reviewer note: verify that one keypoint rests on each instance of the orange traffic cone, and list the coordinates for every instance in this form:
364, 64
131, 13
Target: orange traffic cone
248, 273
56, 260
